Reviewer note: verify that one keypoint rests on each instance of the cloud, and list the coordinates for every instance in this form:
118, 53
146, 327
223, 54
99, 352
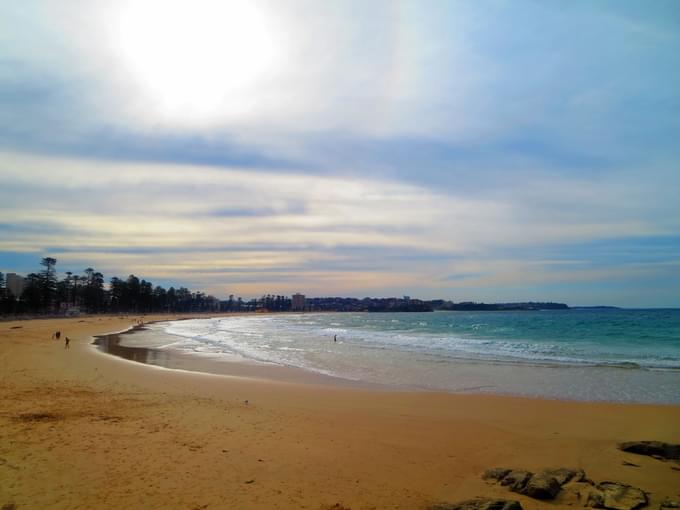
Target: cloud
389, 145
460, 73
222, 228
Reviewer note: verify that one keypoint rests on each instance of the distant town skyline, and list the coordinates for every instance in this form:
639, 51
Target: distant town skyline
482, 151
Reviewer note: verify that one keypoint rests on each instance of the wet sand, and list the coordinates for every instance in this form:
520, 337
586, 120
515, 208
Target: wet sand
116, 344
81, 429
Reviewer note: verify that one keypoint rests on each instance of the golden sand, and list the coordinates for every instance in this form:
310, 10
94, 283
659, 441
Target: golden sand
84, 430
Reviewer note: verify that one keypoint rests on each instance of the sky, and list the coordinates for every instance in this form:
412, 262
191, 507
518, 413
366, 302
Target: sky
466, 150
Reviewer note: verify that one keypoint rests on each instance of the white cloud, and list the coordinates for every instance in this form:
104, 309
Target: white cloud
274, 75
520, 121
297, 67
229, 224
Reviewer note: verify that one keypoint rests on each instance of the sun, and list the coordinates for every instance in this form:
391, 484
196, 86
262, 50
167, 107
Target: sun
196, 61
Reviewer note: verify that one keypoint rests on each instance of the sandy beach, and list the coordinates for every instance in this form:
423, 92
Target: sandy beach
80, 429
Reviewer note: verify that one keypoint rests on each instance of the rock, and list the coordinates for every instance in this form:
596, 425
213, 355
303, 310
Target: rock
652, 448
547, 483
626, 463
616, 496
495, 474
595, 499
542, 486
566, 475
479, 504
669, 503
516, 479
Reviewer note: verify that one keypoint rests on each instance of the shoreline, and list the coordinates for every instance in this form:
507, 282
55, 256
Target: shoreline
83, 430
472, 376
110, 344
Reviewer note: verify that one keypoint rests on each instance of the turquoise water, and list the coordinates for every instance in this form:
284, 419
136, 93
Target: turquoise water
614, 355
644, 338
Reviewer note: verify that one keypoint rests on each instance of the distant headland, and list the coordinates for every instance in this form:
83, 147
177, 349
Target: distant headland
406, 304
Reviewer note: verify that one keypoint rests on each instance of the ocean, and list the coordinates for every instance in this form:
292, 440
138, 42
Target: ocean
590, 354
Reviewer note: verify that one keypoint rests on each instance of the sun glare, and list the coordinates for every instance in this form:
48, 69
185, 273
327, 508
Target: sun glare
196, 61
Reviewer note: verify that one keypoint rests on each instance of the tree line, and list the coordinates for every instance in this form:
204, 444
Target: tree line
44, 293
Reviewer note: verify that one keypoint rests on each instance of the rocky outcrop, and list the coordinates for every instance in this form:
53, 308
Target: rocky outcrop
516, 479
566, 475
496, 474
652, 448
544, 485
616, 496
479, 504
547, 484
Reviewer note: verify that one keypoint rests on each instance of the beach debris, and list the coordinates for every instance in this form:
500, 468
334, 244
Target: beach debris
250, 481
656, 449
616, 496
626, 463
479, 504
338, 506
543, 485
38, 417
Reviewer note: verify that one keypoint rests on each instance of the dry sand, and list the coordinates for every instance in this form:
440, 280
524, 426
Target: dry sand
82, 429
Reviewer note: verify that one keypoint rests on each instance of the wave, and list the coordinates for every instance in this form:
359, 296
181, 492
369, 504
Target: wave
437, 356
274, 339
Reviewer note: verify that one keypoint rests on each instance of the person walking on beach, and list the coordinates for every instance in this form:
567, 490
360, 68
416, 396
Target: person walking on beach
67, 341
56, 335
335, 338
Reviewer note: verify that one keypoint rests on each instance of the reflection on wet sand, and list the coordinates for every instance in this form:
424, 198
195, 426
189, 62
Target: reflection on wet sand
111, 345
172, 358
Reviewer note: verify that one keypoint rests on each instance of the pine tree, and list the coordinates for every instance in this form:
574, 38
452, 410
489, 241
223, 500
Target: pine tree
48, 283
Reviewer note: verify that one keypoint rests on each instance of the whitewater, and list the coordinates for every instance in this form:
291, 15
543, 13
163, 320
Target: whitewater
597, 355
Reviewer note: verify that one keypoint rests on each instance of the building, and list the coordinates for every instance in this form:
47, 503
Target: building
15, 284
298, 302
